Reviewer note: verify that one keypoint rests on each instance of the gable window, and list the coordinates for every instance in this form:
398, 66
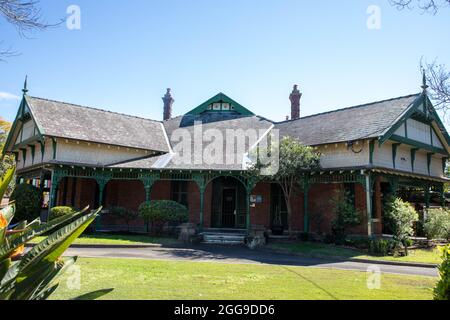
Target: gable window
220, 106
179, 192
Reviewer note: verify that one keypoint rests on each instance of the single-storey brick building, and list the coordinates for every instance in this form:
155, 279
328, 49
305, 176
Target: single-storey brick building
86, 156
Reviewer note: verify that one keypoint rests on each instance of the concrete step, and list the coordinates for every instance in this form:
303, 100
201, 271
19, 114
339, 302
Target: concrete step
223, 238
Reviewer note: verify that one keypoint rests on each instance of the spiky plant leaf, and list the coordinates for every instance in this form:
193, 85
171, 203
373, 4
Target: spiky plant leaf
7, 248
94, 295
4, 266
47, 293
63, 264
52, 248
6, 215
6, 180
47, 272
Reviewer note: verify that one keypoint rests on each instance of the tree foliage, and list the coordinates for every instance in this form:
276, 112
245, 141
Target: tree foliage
160, 212
61, 211
295, 161
400, 216
437, 224
7, 161
346, 216
431, 6
28, 200
126, 214
25, 16
442, 289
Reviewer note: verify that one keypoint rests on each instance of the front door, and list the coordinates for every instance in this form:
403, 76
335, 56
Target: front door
229, 208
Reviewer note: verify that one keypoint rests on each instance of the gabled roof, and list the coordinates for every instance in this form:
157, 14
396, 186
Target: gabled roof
220, 122
221, 97
355, 123
65, 120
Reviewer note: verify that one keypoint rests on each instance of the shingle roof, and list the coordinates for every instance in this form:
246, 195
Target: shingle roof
60, 119
220, 121
349, 124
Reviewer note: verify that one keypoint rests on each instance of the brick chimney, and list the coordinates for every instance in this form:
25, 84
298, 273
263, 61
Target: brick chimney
295, 103
168, 102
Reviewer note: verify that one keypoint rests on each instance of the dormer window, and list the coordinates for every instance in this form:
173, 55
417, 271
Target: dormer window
220, 106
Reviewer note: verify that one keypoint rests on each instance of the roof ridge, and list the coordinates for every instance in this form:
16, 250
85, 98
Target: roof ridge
347, 108
94, 108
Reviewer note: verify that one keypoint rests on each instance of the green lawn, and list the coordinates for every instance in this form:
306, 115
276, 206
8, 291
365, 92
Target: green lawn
326, 250
150, 279
114, 239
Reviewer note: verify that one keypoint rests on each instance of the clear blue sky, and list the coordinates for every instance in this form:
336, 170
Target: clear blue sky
128, 52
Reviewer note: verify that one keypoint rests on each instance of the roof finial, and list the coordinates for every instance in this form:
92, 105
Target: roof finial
25, 90
424, 81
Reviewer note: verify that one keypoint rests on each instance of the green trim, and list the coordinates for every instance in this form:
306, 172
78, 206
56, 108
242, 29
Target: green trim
394, 153
406, 129
18, 120
403, 119
221, 98
418, 144
24, 156
33, 151
42, 143
413, 158
429, 157
438, 121
54, 146
371, 150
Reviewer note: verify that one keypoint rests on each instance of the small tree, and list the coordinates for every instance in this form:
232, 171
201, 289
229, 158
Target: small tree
160, 212
126, 214
346, 216
295, 160
437, 224
28, 200
400, 217
442, 289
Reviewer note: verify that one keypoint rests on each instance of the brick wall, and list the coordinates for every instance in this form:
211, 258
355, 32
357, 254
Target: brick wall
260, 214
131, 194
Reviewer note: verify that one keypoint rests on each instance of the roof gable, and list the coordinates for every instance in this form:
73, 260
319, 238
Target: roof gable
348, 124
24, 122
423, 114
65, 120
221, 99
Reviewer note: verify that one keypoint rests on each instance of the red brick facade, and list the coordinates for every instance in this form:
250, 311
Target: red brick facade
131, 193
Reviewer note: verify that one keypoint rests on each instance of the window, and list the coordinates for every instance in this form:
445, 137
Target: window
180, 192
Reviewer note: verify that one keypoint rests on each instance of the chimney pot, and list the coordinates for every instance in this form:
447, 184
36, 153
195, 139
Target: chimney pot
168, 103
295, 97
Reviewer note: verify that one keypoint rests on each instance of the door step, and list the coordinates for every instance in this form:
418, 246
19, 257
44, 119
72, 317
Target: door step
226, 238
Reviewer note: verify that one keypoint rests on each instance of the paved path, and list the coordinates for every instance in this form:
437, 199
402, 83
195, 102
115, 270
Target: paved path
223, 254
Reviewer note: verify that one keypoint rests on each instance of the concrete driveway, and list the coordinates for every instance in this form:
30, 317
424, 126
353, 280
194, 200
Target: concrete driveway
237, 254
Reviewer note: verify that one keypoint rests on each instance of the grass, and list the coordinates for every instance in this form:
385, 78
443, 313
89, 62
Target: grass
115, 239
326, 250
150, 279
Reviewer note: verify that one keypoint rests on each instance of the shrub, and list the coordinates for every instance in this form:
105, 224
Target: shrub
381, 247
124, 213
28, 200
400, 217
160, 212
346, 216
57, 212
442, 289
437, 224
